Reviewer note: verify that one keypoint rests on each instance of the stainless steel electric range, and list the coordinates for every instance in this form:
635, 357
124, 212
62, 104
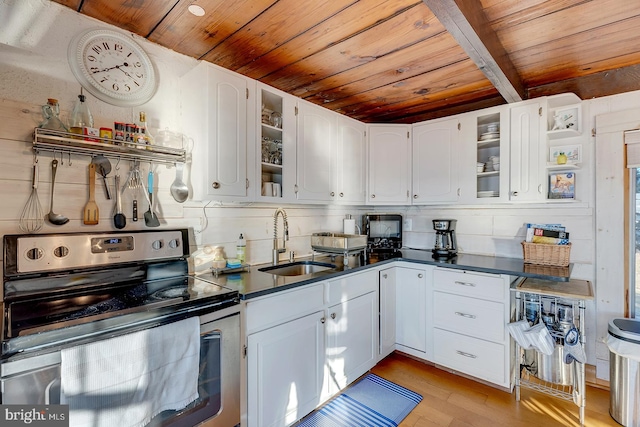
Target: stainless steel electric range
63, 290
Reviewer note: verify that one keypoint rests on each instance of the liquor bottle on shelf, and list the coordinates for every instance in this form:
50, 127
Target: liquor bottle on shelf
80, 116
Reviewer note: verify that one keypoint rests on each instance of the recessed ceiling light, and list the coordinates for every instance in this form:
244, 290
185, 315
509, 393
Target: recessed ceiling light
196, 10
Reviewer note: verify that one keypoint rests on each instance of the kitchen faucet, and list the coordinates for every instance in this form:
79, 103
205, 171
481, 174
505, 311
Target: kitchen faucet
285, 237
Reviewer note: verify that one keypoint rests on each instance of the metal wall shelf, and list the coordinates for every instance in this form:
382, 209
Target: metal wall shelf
63, 142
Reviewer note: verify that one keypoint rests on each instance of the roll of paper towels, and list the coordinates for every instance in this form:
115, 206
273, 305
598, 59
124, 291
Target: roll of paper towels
349, 226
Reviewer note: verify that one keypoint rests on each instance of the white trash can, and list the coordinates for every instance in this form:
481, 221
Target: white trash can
624, 371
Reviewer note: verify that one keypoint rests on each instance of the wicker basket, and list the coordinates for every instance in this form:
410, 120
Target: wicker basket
538, 253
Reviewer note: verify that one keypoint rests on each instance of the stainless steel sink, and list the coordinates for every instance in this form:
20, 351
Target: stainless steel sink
298, 268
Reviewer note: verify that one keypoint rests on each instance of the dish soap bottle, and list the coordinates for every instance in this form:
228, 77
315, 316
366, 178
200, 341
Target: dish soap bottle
80, 116
241, 248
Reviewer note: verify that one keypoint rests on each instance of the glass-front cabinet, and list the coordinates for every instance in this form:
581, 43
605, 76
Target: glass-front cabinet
276, 155
270, 144
488, 155
489, 133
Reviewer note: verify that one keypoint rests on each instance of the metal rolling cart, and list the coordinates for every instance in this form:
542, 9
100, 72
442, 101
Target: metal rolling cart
561, 304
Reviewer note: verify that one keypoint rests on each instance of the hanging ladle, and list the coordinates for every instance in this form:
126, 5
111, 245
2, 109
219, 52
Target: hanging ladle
103, 167
54, 218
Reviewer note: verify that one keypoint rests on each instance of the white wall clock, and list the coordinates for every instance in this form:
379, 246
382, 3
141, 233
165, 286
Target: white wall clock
112, 67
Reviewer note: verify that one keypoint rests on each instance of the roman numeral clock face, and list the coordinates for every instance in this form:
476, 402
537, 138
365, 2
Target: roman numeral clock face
112, 67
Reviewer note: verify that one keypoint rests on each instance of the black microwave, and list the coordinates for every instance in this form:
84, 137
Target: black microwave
383, 230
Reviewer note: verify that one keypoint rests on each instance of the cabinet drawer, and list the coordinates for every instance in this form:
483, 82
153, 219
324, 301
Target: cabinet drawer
351, 286
470, 316
485, 286
283, 306
481, 359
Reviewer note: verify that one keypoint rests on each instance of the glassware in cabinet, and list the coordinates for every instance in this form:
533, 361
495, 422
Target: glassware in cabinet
271, 136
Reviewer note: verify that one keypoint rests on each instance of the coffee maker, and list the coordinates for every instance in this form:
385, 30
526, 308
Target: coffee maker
446, 245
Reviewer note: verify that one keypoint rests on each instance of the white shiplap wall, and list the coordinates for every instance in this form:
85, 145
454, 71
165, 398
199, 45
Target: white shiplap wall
34, 35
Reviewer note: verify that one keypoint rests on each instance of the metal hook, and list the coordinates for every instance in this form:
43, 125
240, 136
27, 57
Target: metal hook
118, 163
69, 152
61, 159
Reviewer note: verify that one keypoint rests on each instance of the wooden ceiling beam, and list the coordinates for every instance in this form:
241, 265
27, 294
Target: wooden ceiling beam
468, 24
603, 83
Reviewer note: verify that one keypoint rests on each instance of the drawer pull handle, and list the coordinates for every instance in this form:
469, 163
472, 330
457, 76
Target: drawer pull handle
473, 285
469, 355
468, 316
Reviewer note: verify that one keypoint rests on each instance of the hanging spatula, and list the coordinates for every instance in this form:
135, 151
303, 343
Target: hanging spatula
91, 212
150, 217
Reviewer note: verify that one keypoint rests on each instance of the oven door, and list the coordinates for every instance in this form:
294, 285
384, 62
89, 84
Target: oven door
36, 380
219, 379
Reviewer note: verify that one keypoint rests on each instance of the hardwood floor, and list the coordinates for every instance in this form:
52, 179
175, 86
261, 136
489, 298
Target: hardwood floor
453, 401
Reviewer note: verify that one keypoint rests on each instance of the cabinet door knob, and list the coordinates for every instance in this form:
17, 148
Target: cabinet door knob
333, 194
341, 194
215, 185
333, 315
322, 320
514, 193
373, 196
415, 196
420, 276
384, 275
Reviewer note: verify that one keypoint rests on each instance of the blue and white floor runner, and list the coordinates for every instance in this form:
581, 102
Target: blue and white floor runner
371, 402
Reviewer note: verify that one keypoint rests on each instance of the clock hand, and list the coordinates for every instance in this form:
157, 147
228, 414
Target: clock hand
110, 68
126, 73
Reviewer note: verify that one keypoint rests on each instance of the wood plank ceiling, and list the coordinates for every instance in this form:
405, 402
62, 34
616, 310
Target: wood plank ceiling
400, 61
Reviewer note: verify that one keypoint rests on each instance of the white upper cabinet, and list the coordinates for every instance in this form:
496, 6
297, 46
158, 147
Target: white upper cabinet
216, 114
527, 177
389, 166
436, 162
316, 153
351, 155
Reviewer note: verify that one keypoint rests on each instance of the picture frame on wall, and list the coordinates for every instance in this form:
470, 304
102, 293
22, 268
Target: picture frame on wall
562, 185
573, 153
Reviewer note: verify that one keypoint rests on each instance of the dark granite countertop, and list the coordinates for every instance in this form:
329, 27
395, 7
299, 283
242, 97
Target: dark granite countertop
254, 283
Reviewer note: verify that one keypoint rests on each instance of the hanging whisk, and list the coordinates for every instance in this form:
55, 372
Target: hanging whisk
32, 217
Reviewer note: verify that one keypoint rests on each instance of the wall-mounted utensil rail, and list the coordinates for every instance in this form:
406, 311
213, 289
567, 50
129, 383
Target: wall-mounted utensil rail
56, 141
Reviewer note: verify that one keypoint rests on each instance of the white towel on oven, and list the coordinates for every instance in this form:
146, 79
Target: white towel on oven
127, 380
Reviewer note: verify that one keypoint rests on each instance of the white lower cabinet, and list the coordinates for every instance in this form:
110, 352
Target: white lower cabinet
405, 320
305, 345
411, 310
285, 371
470, 313
387, 311
351, 341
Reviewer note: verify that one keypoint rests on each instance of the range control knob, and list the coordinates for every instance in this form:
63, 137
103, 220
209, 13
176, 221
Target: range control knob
35, 254
61, 252
157, 245
174, 243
